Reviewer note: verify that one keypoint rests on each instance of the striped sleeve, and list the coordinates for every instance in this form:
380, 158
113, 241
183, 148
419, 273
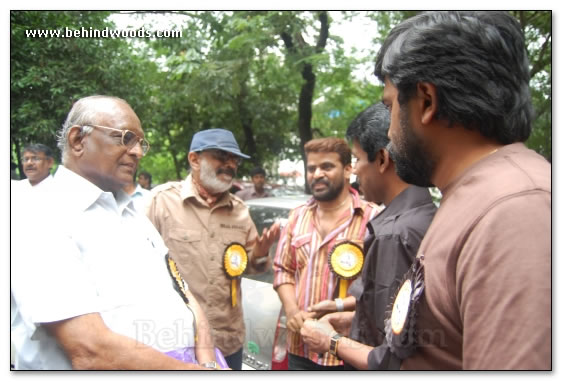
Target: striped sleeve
284, 260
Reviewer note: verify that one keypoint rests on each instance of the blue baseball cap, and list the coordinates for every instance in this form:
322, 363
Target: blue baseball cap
216, 139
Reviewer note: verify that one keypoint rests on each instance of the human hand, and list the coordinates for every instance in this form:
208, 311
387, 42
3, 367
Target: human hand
296, 319
265, 241
322, 308
317, 334
340, 321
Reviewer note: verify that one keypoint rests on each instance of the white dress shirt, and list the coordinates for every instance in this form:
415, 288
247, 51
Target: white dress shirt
85, 251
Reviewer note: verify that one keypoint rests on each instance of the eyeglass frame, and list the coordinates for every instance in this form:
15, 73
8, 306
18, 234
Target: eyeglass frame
123, 132
224, 156
32, 159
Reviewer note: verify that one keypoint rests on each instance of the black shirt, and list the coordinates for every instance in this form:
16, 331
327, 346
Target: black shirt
391, 246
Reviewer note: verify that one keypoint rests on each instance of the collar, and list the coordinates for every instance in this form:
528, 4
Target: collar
140, 191
501, 152
411, 197
356, 201
85, 193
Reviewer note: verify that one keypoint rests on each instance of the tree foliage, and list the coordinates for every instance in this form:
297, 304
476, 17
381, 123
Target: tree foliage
537, 31
274, 78
49, 74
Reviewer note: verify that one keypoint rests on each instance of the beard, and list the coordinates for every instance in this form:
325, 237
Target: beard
331, 191
209, 179
413, 163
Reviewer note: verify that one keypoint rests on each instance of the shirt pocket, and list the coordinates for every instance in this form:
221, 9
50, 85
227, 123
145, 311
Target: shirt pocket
301, 246
232, 236
184, 240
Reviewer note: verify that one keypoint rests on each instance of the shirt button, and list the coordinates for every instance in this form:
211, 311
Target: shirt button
212, 235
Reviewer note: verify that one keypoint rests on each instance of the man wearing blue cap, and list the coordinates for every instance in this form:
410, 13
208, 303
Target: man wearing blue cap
211, 236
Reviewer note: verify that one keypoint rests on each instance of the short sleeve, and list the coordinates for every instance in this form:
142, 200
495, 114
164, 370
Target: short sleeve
504, 286
50, 281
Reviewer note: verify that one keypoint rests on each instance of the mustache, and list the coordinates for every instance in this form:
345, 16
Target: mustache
321, 181
229, 171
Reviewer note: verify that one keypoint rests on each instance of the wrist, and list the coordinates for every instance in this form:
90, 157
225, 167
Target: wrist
334, 341
210, 365
339, 304
261, 260
289, 313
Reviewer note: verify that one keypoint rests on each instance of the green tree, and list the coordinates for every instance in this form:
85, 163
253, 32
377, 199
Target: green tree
48, 73
276, 79
537, 31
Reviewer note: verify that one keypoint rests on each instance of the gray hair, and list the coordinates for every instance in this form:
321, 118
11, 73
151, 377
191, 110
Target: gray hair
82, 113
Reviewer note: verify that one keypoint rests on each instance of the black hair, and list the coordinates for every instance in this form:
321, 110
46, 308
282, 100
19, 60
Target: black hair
38, 148
370, 129
257, 170
476, 60
147, 175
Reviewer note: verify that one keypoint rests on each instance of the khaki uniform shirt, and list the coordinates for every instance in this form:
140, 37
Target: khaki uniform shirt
197, 236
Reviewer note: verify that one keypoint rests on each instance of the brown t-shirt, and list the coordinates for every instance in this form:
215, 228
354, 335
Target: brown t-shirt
196, 236
487, 262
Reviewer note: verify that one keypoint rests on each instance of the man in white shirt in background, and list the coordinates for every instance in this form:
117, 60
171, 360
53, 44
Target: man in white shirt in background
37, 160
139, 194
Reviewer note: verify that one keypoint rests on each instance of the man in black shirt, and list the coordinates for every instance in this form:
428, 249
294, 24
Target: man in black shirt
394, 237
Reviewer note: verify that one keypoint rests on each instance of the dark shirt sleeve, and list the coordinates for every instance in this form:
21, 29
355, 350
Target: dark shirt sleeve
381, 358
392, 260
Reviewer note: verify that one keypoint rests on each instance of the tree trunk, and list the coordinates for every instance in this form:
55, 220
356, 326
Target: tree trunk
306, 114
246, 122
18, 158
305, 108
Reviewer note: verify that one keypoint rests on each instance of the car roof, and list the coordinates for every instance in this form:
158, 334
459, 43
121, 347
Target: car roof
289, 201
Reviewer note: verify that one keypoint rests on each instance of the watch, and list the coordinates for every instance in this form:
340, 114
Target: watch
210, 365
261, 260
334, 343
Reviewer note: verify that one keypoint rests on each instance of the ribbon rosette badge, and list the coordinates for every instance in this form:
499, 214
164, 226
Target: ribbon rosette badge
346, 260
400, 320
401, 307
235, 262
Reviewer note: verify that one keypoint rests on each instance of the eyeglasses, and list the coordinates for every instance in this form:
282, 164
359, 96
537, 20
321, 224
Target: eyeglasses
224, 156
128, 138
33, 159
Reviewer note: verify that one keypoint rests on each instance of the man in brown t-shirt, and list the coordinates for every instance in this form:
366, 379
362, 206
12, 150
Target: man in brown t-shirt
206, 230
258, 177
457, 86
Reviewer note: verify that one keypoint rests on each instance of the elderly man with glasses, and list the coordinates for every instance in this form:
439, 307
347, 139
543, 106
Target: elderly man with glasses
93, 288
211, 236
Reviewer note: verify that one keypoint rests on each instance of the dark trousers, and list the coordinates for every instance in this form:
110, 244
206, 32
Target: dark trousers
235, 360
300, 363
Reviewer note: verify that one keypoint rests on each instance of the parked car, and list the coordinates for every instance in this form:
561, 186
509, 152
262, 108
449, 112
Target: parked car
263, 313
